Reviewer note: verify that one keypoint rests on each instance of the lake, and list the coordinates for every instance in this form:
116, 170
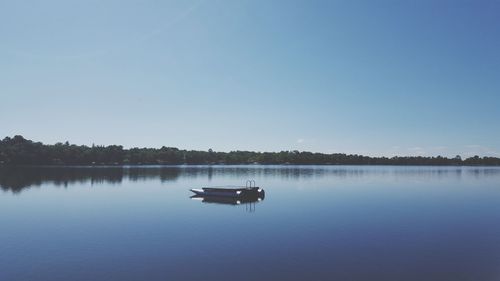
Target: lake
315, 223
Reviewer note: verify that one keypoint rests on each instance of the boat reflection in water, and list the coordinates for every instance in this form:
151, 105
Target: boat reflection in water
249, 201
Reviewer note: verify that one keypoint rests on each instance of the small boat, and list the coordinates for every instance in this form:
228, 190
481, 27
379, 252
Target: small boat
229, 200
248, 191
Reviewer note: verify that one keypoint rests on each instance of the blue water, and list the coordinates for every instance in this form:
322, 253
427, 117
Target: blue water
315, 223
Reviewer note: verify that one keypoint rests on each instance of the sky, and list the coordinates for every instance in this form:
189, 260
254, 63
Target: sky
363, 77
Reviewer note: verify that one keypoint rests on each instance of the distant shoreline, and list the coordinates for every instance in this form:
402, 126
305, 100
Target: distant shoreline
18, 151
226, 165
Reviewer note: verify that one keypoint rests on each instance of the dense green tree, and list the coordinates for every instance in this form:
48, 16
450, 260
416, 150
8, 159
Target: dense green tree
20, 151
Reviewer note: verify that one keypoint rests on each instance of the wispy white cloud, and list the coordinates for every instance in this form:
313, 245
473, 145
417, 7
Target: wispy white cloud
417, 150
440, 148
443, 150
480, 150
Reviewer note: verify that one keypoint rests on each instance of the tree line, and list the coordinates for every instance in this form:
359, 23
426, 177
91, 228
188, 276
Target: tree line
20, 151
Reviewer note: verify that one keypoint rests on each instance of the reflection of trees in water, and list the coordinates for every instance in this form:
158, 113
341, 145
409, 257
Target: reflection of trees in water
246, 172
304, 172
163, 173
16, 179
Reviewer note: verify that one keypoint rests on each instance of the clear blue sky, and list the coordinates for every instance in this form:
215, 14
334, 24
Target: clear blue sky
384, 78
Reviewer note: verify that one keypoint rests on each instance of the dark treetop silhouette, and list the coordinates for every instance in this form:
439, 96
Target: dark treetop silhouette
20, 151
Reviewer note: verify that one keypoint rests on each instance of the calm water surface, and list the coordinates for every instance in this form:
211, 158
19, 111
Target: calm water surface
315, 223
